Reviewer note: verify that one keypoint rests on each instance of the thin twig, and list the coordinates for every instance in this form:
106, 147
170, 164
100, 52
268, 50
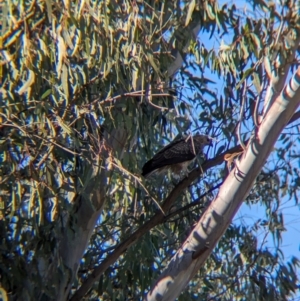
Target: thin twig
193, 204
241, 115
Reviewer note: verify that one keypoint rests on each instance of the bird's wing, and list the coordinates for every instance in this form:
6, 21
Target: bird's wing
174, 153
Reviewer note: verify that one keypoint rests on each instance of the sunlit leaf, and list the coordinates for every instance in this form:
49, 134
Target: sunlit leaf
27, 84
190, 11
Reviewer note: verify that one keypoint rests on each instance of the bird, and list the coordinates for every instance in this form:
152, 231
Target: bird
176, 156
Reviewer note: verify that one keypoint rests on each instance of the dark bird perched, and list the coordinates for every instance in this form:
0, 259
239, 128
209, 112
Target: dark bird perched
176, 156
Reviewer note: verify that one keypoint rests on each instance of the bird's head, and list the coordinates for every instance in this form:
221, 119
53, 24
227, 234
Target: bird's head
202, 140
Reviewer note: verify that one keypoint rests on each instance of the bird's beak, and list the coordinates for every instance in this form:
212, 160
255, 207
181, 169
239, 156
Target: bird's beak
210, 142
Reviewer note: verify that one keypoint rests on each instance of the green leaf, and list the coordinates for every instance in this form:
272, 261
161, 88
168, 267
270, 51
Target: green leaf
191, 8
46, 94
256, 82
245, 75
65, 81
30, 80
268, 67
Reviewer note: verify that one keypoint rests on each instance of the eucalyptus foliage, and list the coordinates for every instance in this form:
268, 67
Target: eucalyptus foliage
90, 90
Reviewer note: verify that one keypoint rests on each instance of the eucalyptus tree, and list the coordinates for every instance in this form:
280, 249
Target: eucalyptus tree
90, 91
